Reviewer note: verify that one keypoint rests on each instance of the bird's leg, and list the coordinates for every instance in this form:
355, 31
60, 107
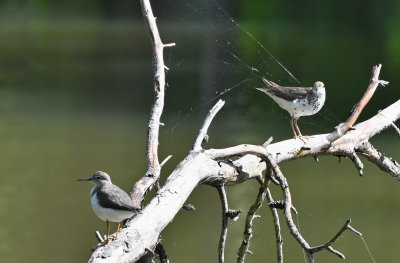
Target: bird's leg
108, 234
298, 130
116, 233
297, 127
291, 125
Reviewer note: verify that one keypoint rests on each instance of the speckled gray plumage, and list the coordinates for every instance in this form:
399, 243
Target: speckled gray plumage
286, 93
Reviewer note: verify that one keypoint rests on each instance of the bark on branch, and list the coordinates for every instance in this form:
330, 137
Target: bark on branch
154, 167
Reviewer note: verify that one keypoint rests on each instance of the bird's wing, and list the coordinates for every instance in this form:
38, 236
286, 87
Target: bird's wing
116, 198
287, 93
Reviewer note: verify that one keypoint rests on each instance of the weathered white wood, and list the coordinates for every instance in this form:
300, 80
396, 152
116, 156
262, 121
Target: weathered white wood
142, 231
153, 165
203, 131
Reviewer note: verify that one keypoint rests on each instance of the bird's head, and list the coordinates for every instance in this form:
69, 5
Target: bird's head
319, 88
98, 178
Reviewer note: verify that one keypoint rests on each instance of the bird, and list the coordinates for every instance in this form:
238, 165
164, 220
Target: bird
298, 101
109, 202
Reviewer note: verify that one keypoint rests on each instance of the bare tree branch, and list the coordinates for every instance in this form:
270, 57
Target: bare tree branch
397, 130
316, 144
154, 167
277, 226
288, 204
224, 230
165, 160
329, 243
357, 163
203, 131
99, 237
356, 111
251, 215
385, 164
332, 240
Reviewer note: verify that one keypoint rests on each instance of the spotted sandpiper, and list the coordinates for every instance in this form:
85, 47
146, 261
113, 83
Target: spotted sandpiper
109, 202
298, 101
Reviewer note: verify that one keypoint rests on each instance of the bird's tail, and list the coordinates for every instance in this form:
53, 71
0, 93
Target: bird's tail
270, 84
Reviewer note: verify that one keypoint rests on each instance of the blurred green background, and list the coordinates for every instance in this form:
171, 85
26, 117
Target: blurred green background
75, 94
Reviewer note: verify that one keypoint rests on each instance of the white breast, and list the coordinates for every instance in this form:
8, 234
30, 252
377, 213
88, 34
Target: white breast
109, 214
298, 108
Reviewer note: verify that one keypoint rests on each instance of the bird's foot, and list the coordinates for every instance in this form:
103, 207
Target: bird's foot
301, 137
105, 242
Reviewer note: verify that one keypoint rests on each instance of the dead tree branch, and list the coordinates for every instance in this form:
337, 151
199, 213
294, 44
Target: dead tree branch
387, 165
154, 167
397, 130
357, 109
277, 226
224, 230
251, 215
202, 136
328, 244
357, 163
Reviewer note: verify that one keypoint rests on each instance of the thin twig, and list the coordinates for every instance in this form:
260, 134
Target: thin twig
251, 214
357, 163
349, 227
277, 226
99, 237
268, 142
385, 164
166, 160
332, 240
203, 131
374, 83
153, 165
396, 129
288, 205
329, 243
224, 230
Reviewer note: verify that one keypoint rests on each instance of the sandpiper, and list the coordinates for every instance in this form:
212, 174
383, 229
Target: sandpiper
109, 202
298, 101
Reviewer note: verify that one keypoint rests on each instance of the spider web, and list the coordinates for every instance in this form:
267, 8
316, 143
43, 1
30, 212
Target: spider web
232, 63
235, 61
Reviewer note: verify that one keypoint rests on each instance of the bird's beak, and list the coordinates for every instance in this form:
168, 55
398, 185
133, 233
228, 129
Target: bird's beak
84, 179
